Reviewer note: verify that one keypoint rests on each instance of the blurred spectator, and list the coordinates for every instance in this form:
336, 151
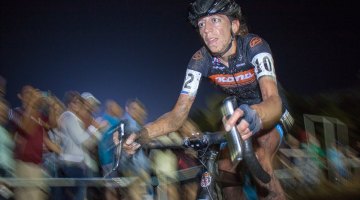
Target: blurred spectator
76, 142
92, 101
7, 163
50, 158
337, 162
186, 159
2, 86
165, 166
138, 164
135, 115
106, 147
29, 122
311, 167
166, 163
352, 163
112, 116
91, 106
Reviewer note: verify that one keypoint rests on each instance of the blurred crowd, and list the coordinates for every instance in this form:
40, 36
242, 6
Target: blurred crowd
308, 162
71, 137
46, 137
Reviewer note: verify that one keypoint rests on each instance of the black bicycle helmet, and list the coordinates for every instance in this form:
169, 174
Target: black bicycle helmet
202, 8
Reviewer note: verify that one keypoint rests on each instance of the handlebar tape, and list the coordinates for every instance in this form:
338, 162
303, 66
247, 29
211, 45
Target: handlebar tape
252, 162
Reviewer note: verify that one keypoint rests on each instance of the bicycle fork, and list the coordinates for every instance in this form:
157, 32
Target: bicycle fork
208, 190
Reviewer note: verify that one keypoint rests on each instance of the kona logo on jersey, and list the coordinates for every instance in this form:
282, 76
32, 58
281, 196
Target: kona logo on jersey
197, 56
240, 78
255, 41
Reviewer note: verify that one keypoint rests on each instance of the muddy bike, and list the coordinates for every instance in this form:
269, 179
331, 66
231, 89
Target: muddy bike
207, 148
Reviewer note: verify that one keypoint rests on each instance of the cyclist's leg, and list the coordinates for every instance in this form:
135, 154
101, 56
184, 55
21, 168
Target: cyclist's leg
267, 145
226, 170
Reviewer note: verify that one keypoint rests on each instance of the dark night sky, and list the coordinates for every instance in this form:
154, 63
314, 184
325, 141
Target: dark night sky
140, 48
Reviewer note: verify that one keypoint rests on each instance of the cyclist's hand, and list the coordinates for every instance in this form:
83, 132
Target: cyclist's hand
249, 124
130, 146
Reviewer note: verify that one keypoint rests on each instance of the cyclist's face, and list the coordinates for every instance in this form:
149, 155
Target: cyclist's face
215, 31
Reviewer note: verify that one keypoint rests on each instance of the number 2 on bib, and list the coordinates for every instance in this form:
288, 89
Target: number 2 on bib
191, 82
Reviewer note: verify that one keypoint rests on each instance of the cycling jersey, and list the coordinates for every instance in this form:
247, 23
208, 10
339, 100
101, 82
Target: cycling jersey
253, 60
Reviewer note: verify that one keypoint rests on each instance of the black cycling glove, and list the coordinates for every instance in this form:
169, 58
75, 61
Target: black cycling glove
251, 117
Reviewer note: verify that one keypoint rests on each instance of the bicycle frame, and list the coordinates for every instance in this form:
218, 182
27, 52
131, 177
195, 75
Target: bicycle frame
208, 187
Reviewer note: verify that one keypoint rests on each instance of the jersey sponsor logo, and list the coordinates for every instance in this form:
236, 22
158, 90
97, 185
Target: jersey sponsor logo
240, 64
221, 67
191, 82
255, 41
264, 65
198, 55
215, 61
240, 78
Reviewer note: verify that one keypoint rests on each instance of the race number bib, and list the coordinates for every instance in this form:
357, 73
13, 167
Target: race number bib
264, 65
191, 83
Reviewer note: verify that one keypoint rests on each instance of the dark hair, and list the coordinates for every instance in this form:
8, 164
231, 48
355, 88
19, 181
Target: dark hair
137, 101
71, 96
2, 86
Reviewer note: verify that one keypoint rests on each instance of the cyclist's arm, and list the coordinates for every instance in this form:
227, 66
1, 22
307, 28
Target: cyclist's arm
269, 110
172, 120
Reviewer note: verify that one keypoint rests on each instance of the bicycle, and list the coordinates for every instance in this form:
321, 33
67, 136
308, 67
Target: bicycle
205, 146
